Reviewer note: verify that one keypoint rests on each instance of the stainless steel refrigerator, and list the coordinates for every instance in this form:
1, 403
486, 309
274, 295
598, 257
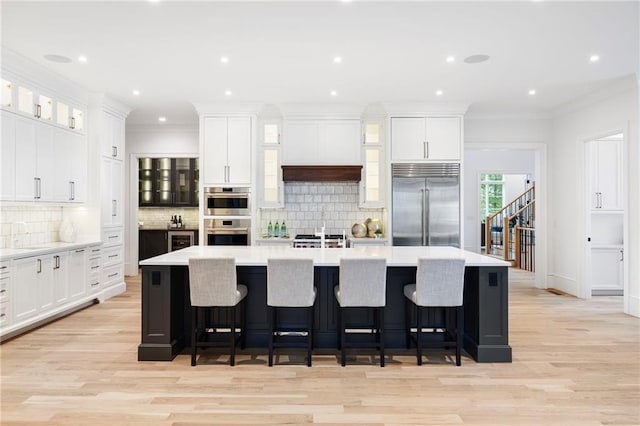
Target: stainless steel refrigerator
426, 204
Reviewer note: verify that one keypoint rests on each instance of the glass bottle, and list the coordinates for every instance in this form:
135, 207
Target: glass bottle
270, 230
283, 230
276, 229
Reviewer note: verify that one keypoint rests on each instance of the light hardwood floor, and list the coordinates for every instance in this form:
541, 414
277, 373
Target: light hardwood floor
575, 362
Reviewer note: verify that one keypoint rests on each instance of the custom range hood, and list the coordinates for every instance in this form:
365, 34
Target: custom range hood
321, 173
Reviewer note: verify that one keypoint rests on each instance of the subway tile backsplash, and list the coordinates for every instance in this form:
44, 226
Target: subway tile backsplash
308, 203
159, 217
31, 225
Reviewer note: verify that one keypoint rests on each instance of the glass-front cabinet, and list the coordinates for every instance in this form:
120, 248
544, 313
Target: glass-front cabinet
272, 187
168, 182
6, 94
371, 185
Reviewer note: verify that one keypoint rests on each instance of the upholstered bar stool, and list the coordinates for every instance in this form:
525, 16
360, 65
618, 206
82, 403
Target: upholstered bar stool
290, 285
363, 283
439, 284
213, 284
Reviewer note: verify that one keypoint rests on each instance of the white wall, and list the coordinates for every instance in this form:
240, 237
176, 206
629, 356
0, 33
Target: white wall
598, 115
153, 141
514, 185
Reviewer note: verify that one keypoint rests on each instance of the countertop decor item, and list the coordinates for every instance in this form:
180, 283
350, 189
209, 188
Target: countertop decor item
374, 226
359, 230
67, 232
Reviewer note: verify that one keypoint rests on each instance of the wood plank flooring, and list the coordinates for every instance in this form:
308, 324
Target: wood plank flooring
575, 362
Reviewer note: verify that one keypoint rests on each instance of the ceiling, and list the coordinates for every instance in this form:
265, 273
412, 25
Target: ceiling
282, 52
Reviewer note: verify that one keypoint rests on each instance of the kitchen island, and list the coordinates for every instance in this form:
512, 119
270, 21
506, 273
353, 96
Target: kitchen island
166, 311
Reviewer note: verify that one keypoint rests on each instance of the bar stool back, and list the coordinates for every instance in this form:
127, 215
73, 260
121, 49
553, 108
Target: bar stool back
439, 283
290, 285
213, 284
363, 283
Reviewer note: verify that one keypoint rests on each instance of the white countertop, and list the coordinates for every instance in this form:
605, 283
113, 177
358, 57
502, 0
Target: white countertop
258, 255
40, 249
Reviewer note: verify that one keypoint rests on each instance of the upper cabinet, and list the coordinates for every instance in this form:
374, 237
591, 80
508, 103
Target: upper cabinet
168, 182
226, 150
426, 138
372, 151
112, 136
321, 141
606, 175
270, 154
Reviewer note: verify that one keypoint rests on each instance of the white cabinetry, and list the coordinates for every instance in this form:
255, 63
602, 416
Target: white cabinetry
226, 150
8, 157
426, 138
34, 290
271, 187
111, 183
606, 175
112, 136
373, 161
61, 278
77, 273
607, 270
321, 142
6, 294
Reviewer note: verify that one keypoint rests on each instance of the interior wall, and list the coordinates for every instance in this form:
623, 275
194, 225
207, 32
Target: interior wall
601, 114
514, 185
155, 141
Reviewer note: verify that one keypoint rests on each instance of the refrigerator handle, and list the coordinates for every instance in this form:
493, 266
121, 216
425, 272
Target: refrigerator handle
423, 216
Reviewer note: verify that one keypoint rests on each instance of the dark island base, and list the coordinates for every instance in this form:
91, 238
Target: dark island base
166, 311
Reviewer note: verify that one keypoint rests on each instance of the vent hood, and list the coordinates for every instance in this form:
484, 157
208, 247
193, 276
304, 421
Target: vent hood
321, 173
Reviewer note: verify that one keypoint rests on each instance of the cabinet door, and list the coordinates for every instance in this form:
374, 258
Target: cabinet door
215, 150
8, 158
45, 164
443, 138
408, 138
33, 290
25, 154
77, 274
111, 187
79, 161
607, 175
606, 269
339, 142
182, 181
45, 295
152, 243
63, 159
163, 182
117, 192
239, 150
301, 139
112, 136
61, 278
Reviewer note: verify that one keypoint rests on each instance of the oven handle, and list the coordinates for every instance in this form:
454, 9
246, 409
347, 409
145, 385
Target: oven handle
228, 195
227, 231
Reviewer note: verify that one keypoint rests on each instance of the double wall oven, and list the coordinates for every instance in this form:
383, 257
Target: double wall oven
228, 211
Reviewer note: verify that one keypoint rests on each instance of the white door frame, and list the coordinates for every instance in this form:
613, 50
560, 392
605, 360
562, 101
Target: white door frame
540, 167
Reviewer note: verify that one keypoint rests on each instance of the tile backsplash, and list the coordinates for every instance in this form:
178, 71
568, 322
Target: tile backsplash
159, 217
308, 204
31, 225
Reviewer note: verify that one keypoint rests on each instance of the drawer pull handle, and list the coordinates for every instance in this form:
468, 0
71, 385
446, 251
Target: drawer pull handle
3, 267
112, 256
95, 267
112, 275
112, 237
80, 251
95, 284
3, 315
4, 290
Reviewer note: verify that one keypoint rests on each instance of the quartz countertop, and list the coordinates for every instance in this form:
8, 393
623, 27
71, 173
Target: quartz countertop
45, 248
258, 255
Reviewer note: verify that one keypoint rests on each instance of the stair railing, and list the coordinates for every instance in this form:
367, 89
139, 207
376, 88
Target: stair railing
524, 217
495, 224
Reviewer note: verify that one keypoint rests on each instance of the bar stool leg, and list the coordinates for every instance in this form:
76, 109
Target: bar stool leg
243, 322
381, 334
232, 357
459, 332
407, 321
309, 335
271, 327
343, 355
418, 334
194, 337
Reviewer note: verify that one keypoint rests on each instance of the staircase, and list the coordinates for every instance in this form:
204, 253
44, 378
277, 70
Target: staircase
510, 233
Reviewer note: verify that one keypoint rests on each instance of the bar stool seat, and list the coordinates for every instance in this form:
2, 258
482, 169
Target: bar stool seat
213, 285
362, 283
439, 284
290, 286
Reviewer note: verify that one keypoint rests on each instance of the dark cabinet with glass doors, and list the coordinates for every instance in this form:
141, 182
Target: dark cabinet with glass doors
167, 182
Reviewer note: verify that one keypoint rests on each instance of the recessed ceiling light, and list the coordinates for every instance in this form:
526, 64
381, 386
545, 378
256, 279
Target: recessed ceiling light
532, 92
594, 58
476, 59
439, 92
224, 59
334, 93
228, 93
136, 92
82, 59
451, 59
162, 119
337, 59
57, 58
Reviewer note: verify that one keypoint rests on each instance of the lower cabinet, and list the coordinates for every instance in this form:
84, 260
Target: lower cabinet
607, 271
32, 275
77, 273
152, 243
61, 275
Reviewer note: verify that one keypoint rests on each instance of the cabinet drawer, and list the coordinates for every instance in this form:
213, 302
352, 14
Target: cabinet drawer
5, 314
94, 252
95, 281
93, 265
112, 275
5, 290
112, 256
111, 237
5, 268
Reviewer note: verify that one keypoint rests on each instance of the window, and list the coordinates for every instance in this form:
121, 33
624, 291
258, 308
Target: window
491, 194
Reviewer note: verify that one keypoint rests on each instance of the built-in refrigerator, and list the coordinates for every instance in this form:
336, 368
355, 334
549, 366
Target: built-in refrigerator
426, 204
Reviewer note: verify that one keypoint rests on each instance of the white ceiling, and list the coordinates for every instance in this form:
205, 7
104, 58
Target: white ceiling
282, 52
